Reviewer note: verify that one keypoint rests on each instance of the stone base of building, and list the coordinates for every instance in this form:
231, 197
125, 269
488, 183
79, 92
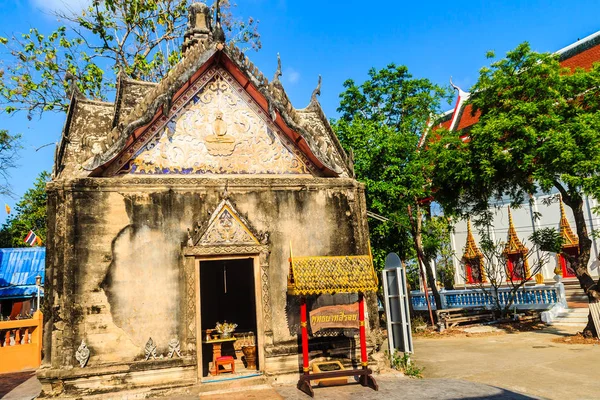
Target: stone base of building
111, 378
138, 378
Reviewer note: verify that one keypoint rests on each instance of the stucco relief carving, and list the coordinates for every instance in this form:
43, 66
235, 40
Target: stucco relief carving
321, 142
226, 229
90, 145
216, 132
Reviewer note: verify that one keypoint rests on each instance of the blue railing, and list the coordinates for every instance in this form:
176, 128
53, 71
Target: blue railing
539, 297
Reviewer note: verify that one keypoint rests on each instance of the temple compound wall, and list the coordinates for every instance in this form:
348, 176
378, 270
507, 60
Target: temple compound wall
211, 163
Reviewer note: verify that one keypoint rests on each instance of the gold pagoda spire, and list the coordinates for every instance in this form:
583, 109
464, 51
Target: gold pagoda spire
471, 249
513, 244
473, 259
569, 238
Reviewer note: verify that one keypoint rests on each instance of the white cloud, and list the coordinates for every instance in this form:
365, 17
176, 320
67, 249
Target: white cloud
60, 5
290, 75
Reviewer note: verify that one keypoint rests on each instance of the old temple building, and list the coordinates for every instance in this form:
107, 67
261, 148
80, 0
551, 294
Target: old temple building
176, 208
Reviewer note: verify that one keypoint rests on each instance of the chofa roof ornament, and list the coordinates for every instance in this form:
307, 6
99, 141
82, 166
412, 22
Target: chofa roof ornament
218, 32
278, 72
316, 92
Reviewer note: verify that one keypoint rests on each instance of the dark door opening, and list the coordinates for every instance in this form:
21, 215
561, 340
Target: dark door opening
227, 295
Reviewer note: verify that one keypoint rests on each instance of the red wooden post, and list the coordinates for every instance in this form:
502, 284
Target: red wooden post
304, 327
363, 334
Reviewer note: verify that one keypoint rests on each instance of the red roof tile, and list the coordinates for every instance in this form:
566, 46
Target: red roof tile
584, 59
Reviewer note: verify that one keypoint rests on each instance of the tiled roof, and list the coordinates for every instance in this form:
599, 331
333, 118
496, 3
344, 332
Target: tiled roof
582, 54
317, 275
18, 269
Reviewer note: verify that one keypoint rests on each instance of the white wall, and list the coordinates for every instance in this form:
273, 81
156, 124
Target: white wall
525, 224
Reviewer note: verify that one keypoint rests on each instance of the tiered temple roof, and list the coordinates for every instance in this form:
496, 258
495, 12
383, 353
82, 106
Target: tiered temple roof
98, 135
581, 54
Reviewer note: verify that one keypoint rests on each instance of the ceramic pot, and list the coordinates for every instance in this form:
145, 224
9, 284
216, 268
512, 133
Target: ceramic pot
250, 355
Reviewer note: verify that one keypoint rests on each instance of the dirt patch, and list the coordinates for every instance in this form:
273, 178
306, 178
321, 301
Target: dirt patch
452, 333
520, 326
578, 338
480, 330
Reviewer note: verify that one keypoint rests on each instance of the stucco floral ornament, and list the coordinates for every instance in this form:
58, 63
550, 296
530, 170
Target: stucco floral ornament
150, 349
82, 354
174, 348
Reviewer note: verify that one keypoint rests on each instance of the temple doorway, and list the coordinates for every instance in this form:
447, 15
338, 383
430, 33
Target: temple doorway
227, 296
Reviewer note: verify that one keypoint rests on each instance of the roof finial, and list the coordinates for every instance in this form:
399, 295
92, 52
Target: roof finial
218, 33
317, 91
72, 83
461, 92
198, 26
278, 72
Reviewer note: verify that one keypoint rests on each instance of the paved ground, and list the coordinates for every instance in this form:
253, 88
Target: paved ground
508, 366
19, 386
395, 387
391, 387
529, 363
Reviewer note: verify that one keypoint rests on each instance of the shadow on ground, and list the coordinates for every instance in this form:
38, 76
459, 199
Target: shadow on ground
10, 381
397, 387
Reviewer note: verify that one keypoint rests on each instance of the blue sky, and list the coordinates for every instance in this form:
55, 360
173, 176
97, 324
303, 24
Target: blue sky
341, 40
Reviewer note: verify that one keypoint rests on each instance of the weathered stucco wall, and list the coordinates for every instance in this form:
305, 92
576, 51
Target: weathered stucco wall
115, 262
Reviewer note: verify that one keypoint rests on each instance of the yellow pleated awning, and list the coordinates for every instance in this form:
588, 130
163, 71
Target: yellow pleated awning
331, 274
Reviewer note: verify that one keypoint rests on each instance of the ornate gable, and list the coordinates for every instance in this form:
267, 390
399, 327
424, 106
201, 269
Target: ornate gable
226, 227
513, 243
569, 238
145, 136
216, 128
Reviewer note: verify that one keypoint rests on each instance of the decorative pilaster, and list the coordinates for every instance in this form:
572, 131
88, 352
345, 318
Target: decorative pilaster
266, 296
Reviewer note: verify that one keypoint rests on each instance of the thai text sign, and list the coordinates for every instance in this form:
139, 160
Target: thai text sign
340, 316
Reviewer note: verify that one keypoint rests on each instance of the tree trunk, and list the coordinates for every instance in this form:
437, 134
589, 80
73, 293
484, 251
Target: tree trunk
417, 224
590, 328
575, 202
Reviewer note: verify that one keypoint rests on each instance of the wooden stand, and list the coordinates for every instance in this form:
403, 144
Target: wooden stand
216, 351
365, 377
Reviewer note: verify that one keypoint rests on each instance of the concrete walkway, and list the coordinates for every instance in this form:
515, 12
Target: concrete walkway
394, 387
24, 386
19, 386
391, 387
501, 366
529, 363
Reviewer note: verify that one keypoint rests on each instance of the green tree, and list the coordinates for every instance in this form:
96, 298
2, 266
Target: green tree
29, 214
381, 122
9, 148
438, 248
142, 38
538, 130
